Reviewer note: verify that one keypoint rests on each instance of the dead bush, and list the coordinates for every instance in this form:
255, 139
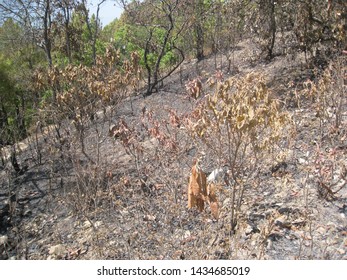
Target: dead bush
241, 126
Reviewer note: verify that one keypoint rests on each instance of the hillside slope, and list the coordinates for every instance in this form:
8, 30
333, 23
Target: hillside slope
128, 198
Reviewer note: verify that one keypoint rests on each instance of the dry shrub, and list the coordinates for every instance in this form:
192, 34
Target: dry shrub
328, 97
213, 200
330, 172
194, 88
79, 91
81, 88
81, 94
241, 126
197, 188
82, 106
200, 192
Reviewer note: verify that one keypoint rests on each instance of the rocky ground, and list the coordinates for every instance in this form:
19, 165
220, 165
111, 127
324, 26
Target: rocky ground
130, 201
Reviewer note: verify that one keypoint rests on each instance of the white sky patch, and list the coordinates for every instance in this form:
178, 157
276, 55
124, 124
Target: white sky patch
109, 11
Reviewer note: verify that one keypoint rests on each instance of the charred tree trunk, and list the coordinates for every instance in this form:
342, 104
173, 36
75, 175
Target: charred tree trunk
66, 11
198, 29
14, 161
272, 29
47, 32
199, 33
268, 27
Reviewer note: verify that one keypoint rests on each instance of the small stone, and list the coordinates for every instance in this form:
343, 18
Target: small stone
98, 224
149, 218
3, 240
57, 250
275, 235
321, 230
280, 220
187, 234
341, 251
226, 202
299, 222
269, 244
27, 213
248, 230
86, 224
179, 254
293, 236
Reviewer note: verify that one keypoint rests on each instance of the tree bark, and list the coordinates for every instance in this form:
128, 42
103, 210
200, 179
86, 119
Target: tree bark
272, 29
199, 33
47, 43
198, 30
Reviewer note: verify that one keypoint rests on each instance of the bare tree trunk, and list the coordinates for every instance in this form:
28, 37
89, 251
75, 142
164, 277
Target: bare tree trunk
267, 10
14, 161
66, 11
272, 29
198, 29
92, 35
199, 33
47, 33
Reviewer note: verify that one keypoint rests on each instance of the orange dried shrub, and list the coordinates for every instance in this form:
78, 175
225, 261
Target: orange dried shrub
194, 88
199, 192
197, 188
212, 200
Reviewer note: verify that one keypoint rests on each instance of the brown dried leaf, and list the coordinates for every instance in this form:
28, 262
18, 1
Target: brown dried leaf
197, 188
199, 192
212, 200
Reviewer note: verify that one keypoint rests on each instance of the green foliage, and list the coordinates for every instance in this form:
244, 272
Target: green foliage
18, 57
130, 37
6, 85
9, 104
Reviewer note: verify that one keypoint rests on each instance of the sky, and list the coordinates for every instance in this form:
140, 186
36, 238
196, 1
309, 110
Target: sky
108, 11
